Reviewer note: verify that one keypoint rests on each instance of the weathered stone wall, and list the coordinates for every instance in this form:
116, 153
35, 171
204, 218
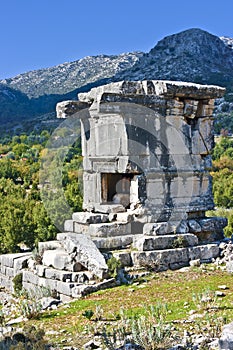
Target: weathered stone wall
10, 266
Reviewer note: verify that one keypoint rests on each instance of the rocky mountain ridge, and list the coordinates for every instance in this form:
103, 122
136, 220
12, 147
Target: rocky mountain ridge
69, 76
192, 55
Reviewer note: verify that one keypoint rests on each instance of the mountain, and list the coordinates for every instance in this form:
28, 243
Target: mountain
193, 55
29, 99
61, 79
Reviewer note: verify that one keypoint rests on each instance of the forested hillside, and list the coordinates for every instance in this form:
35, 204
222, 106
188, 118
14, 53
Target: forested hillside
23, 217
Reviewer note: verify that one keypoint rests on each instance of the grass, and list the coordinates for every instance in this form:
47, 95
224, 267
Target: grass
173, 288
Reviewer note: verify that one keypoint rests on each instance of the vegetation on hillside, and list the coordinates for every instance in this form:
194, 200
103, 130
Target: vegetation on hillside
223, 181
24, 219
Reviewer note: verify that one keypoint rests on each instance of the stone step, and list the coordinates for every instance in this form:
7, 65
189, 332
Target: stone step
50, 245
144, 243
58, 259
64, 276
10, 260
109, 229
109, 243
69, 289
90, 218
162, 260
73, 226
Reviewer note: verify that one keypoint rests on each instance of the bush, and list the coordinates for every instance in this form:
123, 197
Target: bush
114, 265
18, 282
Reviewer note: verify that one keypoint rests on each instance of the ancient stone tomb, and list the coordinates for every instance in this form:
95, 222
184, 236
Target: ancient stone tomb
146, 158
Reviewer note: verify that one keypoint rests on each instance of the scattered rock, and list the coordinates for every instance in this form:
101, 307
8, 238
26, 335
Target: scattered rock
47, 302
223, 287
130, 346
219, 293
226, 338
195, 263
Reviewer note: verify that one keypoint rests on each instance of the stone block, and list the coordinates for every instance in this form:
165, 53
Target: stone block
69, 226
65, 288
21, 263
123, 257
113, 242
205, 126
160, 260
190, 108
47, 283
28, 286
8, 259
86, 253
30, 277
146, 243
205, 252
81, 277
6, 283
194, 226
42, 246
124, 217
80, 228
58, 275
89, 218
81, 291
157, 229
3, 269
65, 109
212, 224
59, 259
184, 188
198, 144
111, 229
109, 208
181, 227
156, 189
40, 270
63, 235
9, 272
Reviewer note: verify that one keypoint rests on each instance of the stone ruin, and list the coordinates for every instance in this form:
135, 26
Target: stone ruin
146, 159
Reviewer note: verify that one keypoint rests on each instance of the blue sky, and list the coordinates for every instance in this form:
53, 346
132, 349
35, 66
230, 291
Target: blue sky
43, 33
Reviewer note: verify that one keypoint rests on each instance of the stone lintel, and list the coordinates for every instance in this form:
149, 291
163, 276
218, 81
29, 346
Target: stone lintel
163, 88
152, 93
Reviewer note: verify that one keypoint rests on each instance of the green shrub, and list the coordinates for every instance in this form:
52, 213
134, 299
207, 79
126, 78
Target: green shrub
18, 282
114, 266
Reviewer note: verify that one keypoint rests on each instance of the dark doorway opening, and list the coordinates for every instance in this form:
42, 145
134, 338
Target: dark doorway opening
116, 188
